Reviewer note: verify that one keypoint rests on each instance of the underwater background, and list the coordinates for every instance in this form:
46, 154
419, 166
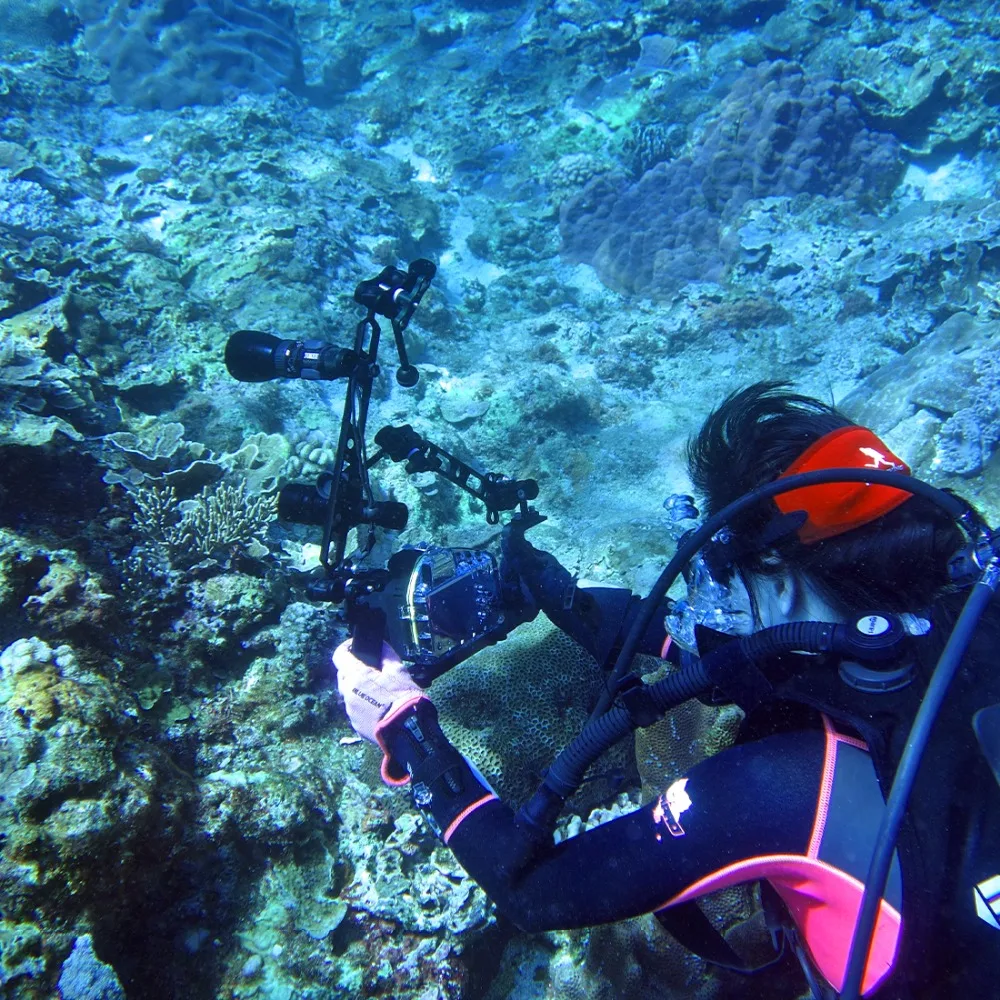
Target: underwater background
635, 208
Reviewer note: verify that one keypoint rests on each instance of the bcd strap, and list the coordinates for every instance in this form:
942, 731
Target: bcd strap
687, 924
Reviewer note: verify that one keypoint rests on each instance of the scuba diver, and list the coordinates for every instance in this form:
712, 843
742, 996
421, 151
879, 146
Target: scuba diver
797, 802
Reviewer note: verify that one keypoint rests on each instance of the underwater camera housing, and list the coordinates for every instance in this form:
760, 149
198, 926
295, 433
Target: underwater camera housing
442, 605
436, 606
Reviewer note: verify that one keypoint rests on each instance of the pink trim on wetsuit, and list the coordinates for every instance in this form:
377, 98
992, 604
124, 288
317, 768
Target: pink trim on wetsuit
853, 741
823, 900
394, 780
824, 903
466, 813
833, 738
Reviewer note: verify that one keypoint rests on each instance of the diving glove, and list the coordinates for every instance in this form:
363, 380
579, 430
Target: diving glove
540, 581
375, 699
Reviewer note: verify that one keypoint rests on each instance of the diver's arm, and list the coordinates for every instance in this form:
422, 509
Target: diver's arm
800, 809
598, 617
754, 799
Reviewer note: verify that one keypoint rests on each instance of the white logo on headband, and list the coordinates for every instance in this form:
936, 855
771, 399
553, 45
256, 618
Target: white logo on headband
877, 460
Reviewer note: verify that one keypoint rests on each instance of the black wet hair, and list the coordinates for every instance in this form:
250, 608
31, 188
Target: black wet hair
898, 562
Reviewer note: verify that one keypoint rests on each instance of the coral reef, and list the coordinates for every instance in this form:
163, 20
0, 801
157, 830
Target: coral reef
84, 803
28, 209
513, 707
675, 744
939, 399
778, 133
42, 396
218, 520
186, 811
85, 977
970, 435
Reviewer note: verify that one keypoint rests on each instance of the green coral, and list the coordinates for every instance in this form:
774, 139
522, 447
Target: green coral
224, 518
72, 814
21, 951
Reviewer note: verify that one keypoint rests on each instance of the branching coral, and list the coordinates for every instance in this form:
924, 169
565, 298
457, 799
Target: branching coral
217, 521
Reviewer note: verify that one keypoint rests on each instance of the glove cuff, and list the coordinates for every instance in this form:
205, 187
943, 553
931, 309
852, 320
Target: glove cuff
393, 772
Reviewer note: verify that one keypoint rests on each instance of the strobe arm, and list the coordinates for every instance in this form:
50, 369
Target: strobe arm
395, 294
497, 492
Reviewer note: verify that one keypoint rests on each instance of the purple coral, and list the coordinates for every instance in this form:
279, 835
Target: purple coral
655, 234
778, 133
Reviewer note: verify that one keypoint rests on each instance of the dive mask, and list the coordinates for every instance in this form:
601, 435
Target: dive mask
719, 601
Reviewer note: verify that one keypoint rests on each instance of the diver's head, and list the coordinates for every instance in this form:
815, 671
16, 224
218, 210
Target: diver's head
859, 547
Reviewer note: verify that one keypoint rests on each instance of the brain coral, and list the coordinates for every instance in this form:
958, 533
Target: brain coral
513, 707
777, 133
780, 132
172, 53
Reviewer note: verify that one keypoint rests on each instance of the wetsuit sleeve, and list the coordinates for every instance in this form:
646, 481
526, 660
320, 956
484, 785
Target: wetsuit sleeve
599, 619
751, 801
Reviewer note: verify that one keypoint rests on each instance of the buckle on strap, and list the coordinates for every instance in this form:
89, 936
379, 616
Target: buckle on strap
636, 700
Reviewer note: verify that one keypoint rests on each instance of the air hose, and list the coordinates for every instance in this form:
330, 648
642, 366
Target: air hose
537, 817
567, 772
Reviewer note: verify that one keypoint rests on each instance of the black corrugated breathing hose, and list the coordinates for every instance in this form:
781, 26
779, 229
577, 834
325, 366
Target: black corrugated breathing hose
566, 774
567, 770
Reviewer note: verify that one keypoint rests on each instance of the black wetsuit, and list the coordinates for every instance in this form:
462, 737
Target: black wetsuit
796, 803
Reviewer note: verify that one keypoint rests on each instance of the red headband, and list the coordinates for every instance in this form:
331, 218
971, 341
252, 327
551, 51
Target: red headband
834, 508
